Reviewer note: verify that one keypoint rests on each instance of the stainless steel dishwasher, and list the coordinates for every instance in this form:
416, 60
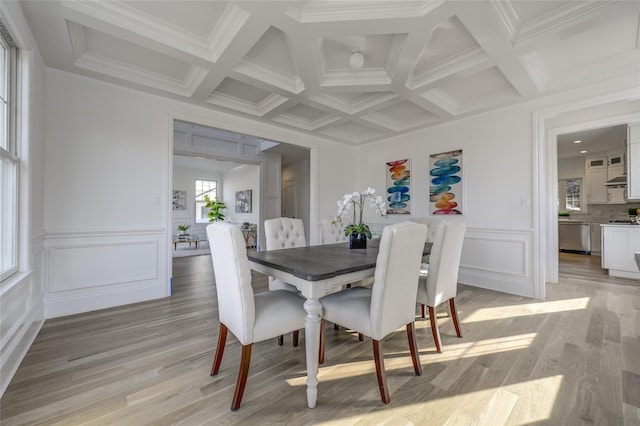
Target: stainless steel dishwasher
574, 237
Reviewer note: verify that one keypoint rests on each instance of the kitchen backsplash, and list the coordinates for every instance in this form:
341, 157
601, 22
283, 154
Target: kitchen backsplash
606, 212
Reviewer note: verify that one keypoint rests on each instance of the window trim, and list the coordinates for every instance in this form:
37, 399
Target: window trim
195, 198
11, 152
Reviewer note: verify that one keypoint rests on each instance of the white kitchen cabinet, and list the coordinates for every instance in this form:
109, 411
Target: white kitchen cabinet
619, 244
596, 190
596, 163
616, 194
633, 162
615, 171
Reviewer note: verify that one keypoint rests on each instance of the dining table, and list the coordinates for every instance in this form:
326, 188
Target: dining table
317, 271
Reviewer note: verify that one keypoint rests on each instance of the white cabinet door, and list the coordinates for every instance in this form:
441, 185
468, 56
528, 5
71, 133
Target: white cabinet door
619, 244
633, 162
596, 191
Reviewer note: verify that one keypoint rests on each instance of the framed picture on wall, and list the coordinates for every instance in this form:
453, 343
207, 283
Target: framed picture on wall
243, 201
446, 179
179, 199
399, 186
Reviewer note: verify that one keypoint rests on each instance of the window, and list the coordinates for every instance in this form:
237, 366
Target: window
9, 160
570, 195
204, 187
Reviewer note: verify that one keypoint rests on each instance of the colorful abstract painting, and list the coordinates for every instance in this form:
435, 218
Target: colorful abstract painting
445, 189
398, 187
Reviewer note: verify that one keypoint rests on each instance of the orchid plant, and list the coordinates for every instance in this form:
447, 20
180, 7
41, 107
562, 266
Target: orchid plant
354, 203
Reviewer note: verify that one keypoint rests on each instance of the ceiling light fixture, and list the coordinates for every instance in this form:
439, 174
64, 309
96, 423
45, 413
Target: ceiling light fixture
577, 141
356, 60
583, 152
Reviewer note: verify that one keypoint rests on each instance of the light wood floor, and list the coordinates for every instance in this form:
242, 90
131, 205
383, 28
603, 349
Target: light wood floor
572, 359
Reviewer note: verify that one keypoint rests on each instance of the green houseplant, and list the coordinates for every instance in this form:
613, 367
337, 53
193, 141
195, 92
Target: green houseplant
183, 228
215, 207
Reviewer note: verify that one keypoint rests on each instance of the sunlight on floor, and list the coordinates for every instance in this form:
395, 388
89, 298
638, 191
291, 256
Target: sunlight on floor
496, 313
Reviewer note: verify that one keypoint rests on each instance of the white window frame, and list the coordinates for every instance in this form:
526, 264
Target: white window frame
9, 155
198, 203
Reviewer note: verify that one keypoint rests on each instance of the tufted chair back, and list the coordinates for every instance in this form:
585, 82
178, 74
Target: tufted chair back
236, 306
281, 233
332, 233
284, 232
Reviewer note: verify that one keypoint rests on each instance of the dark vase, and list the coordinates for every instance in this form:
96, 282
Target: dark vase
357, 241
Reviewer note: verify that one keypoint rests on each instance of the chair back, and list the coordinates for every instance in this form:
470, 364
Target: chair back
284, 232
393, 297
236, 304
332, 233
442, 278
433, 224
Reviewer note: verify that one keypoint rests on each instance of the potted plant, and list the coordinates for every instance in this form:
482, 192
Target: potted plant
358, 231
183, 228
215, 206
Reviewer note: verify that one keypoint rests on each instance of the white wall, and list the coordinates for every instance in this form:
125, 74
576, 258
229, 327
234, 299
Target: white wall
108, 190
241, 179
21, 307
569, 168
497, 170
500, 160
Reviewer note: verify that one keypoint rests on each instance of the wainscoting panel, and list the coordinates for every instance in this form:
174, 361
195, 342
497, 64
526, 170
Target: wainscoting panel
89, 271
498, 259
21, 315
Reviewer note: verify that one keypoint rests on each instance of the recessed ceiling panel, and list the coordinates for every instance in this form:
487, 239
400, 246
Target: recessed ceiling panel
196, 17
599, 43
447, 39
478, 88
273, 52
406, 114
306, 112
530, 10
240, 90
135, 56
352, 133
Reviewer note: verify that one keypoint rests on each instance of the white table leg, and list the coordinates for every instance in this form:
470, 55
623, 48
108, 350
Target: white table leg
312, 346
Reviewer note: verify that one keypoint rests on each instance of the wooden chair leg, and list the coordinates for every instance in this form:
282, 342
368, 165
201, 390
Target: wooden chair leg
434, 327
382, 378
454, 316
336, 327
323, 335
245, 360
281, 340
361, 337
217, 358
413, 348
423, 313
295, 338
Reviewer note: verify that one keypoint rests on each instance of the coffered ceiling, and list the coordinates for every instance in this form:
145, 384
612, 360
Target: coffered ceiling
287, 63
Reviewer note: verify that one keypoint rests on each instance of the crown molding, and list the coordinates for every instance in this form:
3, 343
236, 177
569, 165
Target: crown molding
84, 59
565, 16
123, 16
461, 61
269, 75
333, 11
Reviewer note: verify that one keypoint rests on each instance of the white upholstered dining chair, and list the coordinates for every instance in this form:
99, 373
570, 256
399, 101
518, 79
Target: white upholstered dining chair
283, 233
439, 279
250, 317
332, 233
390, 303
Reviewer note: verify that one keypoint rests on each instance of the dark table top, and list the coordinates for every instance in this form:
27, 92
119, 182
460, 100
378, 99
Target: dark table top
314, 263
